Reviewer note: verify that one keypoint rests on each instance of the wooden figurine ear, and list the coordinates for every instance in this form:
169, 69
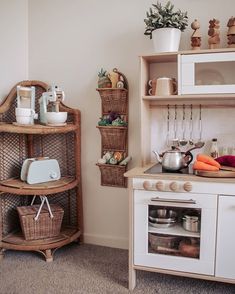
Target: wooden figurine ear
212, 23
231, 22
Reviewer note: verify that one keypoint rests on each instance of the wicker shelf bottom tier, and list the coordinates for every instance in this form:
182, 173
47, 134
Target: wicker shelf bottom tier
16, 241
112, 175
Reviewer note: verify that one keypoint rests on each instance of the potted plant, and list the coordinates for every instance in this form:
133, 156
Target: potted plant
165, 25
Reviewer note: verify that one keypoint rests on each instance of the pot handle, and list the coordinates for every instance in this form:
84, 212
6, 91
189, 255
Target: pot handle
190, 157
184, 218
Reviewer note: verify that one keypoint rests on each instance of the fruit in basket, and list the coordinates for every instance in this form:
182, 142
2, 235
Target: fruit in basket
104, 81
103, 122
118, 156
113, 161
118, 122
112, 116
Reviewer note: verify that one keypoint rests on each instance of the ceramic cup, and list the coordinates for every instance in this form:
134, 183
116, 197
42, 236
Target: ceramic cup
23, 120
24, 116
162, 87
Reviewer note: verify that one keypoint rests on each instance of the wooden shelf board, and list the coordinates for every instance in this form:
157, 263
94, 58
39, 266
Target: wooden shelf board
112, 89
172, 56
16, 186
176, 230
16, 240
187, 97
36, 129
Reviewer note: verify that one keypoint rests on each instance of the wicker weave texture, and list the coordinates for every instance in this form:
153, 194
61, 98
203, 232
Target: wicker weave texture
13, 151
45, 226
114, 100
113, 138
10, 219
59, 147
112, 175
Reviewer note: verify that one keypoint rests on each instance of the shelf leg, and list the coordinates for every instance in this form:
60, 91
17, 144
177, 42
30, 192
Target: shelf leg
48, 255
132, 278
1, 254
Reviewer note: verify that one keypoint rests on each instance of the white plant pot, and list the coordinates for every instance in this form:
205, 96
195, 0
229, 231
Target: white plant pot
166, 39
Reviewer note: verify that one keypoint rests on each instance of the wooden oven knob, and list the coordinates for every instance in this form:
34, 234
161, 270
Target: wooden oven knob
187, 186
160, 186
147, 185
173, 186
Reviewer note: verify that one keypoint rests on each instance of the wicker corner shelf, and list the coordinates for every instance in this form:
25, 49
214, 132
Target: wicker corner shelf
114, 138
18, 143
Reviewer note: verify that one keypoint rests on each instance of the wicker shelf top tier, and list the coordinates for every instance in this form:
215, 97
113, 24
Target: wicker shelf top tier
36, 129
114, 99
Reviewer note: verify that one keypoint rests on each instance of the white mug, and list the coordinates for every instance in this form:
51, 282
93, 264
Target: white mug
24, 112
25, 116
166, 86
24, 120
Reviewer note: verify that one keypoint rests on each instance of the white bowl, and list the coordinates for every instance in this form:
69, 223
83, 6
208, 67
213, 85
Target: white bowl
56, 117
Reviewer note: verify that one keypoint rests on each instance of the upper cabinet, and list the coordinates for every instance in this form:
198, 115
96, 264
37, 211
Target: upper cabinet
188, 75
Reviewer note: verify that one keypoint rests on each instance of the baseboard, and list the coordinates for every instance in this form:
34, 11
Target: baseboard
108, 241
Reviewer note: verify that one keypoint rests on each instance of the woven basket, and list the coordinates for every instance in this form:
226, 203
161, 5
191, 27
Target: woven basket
45, 226
114, 99
112, 175
113, 138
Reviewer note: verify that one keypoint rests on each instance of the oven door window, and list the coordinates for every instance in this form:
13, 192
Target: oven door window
174, 231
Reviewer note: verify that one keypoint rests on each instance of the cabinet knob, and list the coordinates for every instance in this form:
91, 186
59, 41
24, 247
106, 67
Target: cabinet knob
173, 186
147, 185
160, 186
187, 186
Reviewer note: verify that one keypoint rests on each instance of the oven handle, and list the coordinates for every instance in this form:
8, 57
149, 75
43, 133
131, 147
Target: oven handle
158, 199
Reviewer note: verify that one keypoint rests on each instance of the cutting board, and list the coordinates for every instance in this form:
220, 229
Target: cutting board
224, 172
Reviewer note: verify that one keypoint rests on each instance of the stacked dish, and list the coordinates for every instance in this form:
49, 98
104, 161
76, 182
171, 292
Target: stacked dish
162, 218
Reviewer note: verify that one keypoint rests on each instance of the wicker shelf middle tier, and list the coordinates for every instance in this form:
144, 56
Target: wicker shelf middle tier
113, 138
16, 186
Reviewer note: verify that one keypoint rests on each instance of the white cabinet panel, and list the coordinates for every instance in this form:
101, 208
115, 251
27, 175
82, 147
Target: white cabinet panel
225, 253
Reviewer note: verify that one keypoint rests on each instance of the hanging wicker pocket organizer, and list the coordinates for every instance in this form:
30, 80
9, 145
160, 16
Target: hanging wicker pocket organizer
114, 138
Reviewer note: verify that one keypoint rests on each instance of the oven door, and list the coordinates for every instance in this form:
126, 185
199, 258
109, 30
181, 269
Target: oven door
175, 231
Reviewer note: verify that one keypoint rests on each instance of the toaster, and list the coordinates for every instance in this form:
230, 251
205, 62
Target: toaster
40, 170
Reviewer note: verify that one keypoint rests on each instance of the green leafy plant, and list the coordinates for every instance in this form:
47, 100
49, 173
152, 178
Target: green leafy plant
102, 73
164, 17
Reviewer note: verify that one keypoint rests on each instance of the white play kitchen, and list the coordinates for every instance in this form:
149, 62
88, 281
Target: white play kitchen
181, 219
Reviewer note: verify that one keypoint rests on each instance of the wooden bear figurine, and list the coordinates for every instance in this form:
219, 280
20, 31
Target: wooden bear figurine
196, 36
231, 32
213, 33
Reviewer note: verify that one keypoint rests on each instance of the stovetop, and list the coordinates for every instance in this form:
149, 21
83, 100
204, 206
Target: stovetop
157, 169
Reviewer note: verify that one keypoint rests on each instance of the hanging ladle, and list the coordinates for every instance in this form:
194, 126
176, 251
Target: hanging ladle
200, 125
183, 141
168, 127
191, 126
175, 140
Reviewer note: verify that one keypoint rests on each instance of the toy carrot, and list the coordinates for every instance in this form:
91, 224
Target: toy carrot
208, 160
199, 165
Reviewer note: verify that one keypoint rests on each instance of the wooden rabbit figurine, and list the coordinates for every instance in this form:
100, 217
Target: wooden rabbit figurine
196, 36
231, 32
213, 32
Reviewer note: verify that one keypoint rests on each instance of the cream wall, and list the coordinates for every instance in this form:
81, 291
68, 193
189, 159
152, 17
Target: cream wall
14, 44
69, 41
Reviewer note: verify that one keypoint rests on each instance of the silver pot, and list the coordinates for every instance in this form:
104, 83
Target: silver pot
191, 223
174, 160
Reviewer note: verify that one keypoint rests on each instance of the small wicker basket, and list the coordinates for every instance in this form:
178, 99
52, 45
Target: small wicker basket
112, 175
45, 226
113, 138
114, 99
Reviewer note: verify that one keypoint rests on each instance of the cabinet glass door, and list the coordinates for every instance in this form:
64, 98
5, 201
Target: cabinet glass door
174, 231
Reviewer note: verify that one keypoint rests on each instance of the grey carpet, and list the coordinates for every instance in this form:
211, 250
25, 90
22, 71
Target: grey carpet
90, 269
